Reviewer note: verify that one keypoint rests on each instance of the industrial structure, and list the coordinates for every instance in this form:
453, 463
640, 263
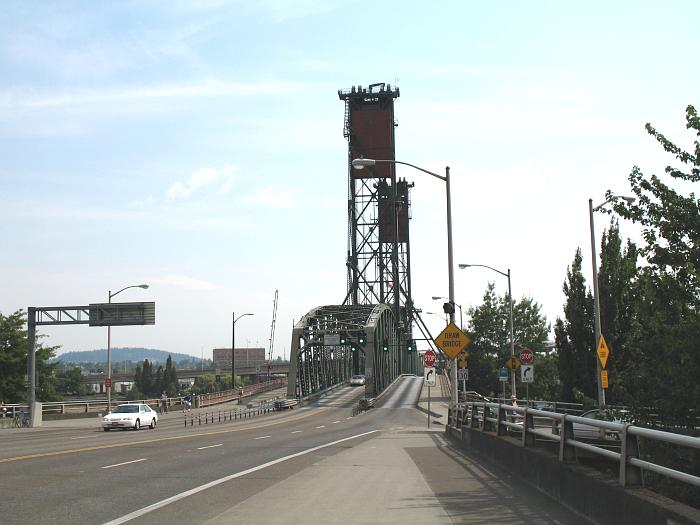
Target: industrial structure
371, 331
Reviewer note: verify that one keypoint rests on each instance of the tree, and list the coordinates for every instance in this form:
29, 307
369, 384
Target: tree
69, 382
666, 328
13, 361
618, 295
170, 382
490, 334
574, 336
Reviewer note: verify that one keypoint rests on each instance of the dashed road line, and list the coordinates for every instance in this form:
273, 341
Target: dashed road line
210, 446
262, 437
296, 431
125, 463
322, 426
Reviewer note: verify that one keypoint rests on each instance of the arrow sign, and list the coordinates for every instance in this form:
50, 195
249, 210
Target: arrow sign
429, 376
603, 351
527, 373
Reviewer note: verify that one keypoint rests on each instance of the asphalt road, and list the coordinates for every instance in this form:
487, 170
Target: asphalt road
314, 464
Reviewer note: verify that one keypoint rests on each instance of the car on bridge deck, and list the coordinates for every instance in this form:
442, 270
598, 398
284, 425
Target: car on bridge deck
130, 415
357, 380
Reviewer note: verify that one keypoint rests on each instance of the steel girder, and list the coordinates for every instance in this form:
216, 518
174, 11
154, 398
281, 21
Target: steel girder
331, 343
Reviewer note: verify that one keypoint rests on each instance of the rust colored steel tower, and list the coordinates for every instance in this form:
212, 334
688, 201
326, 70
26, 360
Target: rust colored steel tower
378, 258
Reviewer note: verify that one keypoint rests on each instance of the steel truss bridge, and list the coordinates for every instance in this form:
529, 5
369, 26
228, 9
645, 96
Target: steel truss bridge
332, 343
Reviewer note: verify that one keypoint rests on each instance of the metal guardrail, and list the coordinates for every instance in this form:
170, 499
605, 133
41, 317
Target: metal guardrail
227, 415
100, 405
500, 418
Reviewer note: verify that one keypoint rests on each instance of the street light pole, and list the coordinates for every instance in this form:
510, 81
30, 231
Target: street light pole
109, 342
359, 164
510, 316
596, 300
233, 348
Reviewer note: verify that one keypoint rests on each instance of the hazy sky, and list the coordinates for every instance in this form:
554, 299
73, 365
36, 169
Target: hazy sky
197, 147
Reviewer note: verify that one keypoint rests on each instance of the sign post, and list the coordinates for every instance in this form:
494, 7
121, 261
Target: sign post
429, 380
503, 378
527, 371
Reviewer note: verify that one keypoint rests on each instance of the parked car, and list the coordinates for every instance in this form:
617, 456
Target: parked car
583, 431
357, 380
130, 415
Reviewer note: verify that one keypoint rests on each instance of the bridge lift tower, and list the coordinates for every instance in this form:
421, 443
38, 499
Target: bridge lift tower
378, 256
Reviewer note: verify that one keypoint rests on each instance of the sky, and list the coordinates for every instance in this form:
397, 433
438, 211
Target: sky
197, 146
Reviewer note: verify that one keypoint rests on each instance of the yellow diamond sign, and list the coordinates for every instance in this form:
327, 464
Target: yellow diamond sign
452, 340
603, 351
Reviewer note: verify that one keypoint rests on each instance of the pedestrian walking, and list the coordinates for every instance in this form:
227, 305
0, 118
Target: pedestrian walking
164, 402
187, 403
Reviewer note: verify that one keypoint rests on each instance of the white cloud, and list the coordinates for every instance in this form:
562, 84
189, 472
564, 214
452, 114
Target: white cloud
203, 178
273, 199
183, 281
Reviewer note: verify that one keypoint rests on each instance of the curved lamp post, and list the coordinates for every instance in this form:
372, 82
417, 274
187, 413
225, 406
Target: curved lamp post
109, 343
359, 164
510, 316
596, 300
233, 348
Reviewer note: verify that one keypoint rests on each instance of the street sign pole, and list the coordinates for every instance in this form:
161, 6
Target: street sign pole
428, 406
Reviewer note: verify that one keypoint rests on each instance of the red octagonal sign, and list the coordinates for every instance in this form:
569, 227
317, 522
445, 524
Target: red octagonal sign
429, 358
526, 356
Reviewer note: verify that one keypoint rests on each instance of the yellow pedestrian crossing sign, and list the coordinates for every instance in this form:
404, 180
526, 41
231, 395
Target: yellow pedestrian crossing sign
603, 351
452, 340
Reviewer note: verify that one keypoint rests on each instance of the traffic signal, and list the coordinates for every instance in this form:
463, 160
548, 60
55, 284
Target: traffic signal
343, 339
385, 347
361, 340
352, 348
409, 345
448, 308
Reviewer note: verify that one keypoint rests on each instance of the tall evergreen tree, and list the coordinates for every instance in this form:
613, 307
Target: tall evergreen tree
574, 336
617, 295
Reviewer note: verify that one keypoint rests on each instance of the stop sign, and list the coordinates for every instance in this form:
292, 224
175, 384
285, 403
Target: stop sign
429, 358
526, 356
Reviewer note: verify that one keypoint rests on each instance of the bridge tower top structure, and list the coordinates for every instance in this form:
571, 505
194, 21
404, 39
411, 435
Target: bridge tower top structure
378, 253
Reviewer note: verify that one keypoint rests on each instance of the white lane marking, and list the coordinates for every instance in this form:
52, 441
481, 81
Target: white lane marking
82, 437
349, 417
262, 437
322, 426
334, 422
125, 463
210, 446
201, 488
296, 431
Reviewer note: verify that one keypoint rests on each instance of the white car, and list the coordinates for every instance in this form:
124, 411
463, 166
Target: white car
357, 380
131, 415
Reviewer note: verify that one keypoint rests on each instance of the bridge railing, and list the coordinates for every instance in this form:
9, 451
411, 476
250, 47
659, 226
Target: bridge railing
64, 408
619, 443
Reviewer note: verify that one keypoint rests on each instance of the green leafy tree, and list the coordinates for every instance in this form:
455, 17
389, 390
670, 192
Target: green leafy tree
574, 336
69, 382
13, 361
664, 373
489, 329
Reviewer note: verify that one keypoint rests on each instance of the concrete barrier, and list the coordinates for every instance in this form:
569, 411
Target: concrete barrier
587, 491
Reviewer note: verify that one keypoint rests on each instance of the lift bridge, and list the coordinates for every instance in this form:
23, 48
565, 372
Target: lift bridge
371, 331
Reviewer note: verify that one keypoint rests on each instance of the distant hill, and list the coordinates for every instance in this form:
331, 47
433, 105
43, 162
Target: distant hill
124, 354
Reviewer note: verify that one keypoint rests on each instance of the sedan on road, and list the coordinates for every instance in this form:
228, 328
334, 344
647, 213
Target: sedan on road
131, 415
357, 380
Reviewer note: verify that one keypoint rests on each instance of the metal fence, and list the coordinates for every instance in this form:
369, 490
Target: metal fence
100, 405
622, 445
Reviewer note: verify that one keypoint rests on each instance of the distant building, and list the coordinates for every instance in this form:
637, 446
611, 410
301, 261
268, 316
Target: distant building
245, 357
